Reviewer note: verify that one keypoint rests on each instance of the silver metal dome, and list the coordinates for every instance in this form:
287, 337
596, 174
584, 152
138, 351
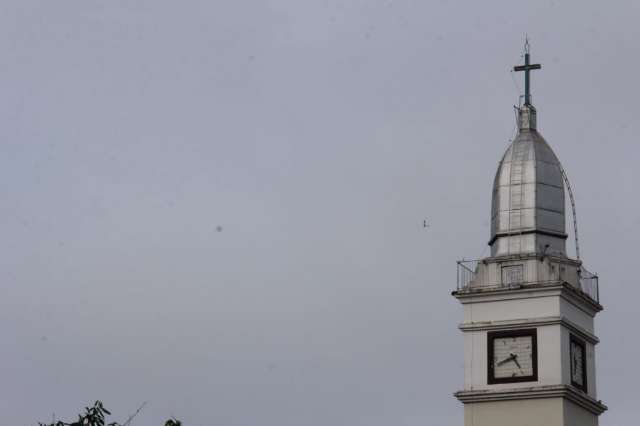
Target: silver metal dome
528, 205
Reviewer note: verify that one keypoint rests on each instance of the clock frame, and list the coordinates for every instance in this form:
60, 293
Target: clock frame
574, 344
492, 336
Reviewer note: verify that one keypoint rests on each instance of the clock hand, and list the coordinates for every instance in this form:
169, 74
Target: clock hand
504, 361
516, 361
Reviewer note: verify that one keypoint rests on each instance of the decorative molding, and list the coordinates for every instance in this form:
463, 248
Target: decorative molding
560, 235
580, 301
512, 292
583, 333
530, 322
560, 391
529, 291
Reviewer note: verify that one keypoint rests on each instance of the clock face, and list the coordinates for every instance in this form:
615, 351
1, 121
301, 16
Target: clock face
512, 356
578, 364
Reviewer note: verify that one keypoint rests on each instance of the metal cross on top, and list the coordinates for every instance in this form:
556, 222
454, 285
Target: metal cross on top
526, 68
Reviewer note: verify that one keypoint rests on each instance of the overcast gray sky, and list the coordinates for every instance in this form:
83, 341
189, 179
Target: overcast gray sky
217, 206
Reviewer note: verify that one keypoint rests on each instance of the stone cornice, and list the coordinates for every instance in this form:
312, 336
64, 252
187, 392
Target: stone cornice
514, 291
527, 291
526, 256
530, 322
558, 391
579, 300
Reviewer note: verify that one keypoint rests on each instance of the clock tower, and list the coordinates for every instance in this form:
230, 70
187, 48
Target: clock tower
529, 308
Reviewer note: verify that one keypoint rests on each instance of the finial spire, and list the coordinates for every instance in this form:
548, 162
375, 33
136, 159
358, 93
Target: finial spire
526, 68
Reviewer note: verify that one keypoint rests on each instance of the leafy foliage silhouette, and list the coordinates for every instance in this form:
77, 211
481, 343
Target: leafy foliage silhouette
95, 416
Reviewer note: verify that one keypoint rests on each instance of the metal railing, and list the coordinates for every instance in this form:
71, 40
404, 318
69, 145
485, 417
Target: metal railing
589, 284
509, 274
466, 273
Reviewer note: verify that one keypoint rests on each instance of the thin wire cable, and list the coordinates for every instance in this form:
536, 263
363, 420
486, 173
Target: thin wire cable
484, 250
515, 84
573, 209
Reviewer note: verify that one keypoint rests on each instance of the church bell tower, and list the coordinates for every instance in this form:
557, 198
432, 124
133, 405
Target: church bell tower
529, 308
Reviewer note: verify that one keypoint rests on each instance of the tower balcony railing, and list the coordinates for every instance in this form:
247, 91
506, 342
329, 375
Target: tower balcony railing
466, 273
516, 272
589, 284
